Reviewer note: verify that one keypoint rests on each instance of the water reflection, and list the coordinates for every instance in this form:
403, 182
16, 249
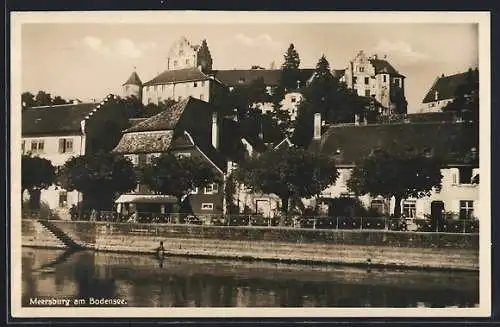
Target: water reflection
150, 281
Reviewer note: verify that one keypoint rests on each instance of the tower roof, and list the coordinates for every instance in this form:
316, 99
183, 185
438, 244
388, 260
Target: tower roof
133, 80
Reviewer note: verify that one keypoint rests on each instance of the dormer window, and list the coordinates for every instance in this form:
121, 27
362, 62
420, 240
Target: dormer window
428, 152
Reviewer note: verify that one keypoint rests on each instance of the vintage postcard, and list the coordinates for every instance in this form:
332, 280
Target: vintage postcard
250, 164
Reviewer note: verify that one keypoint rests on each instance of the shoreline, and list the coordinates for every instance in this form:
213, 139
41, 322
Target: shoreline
367, 249
248, 258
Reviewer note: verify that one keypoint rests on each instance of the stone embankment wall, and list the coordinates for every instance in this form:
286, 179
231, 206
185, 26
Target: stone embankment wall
347, 247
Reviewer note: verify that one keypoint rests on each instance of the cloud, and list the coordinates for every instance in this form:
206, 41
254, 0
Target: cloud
119, 47
263, 40
401, 50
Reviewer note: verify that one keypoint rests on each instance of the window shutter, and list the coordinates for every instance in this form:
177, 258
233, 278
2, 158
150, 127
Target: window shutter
61, 145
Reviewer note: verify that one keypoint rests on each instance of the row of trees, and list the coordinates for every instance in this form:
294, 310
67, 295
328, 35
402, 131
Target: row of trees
103, 176
291, 174
42, 98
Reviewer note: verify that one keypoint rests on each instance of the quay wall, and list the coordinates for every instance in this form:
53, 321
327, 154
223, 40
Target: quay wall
345, 247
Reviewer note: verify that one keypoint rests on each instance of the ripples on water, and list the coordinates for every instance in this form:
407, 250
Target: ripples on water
145, 281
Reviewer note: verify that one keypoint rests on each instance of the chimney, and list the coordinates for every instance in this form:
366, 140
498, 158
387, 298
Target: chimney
436, 95
317, 126
215, 131
356, 119
261, 133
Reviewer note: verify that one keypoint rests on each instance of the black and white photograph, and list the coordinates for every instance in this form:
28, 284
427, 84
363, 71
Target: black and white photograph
233, 164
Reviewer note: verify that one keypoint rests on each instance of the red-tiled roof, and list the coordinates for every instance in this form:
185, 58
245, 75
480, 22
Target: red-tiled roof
452, 141
60, 119
445, 87
383, 66
133, 80
165, 120
145, 142
177, 76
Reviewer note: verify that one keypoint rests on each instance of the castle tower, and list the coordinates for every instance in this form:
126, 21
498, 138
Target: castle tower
133, 86
183, 54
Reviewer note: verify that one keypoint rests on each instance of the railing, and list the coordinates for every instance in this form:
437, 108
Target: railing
310, 222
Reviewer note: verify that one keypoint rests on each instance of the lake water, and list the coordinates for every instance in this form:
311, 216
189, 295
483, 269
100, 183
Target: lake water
145, 281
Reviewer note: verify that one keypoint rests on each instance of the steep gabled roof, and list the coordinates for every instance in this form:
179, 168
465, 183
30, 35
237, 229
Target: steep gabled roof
133, 80
60, 119
145, 142
165, 120
445, 87
177, 76
383, 66
234, 77
451, 141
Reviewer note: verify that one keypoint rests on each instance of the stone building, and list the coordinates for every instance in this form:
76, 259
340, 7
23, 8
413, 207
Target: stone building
375, 77
442, 92
60, 132
456, 142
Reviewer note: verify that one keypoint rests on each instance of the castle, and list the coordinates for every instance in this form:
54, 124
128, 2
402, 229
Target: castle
189, 72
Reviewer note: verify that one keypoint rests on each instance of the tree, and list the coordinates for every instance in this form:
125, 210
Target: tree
36, 174
43, 99
178, 176
58, 100
289, 173
466, 99
100, 177
290, 72
399, 175
28, 99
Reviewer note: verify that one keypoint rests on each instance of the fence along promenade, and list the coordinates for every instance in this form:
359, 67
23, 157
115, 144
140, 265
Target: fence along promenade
309, 222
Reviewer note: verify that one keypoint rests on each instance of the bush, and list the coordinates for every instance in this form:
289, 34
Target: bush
349, 207
43, 213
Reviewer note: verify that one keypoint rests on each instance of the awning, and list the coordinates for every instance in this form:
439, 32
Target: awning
146, 198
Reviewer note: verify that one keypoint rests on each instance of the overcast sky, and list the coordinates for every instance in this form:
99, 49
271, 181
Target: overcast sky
88, 61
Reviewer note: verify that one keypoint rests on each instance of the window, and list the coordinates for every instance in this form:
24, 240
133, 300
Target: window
293, 99
367, 93
65, 145
133, 158
361, 69
465, 175
367, 80
37, 146
63, 199
187, 61
195, 84
163, 87
156, 88
212, 188
354, 80
378, 205
194, 191
466, 209
409, 209
202, 97
207, 206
